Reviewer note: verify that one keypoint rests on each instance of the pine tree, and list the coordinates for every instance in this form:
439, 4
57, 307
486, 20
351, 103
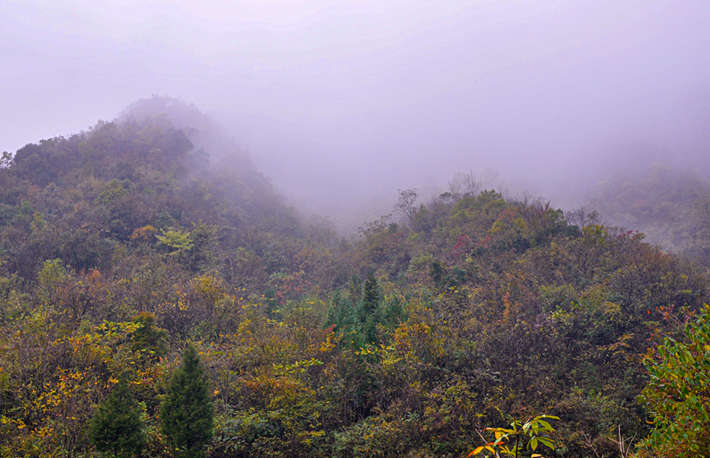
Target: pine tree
187, 413
149, 338
116, 427
370, 309
371, 295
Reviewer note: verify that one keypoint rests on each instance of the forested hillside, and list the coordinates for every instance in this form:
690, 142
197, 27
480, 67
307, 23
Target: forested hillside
122, 246
670, 207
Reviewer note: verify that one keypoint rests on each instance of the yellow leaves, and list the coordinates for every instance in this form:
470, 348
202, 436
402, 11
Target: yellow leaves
375, 350
536, 429
479, 449
328, 345
509, 307
210, 287
44, 431
143, 233
297, 367
243, 326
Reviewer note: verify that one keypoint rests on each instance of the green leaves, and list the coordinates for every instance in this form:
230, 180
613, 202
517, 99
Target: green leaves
509, 441
677, 392
176, 240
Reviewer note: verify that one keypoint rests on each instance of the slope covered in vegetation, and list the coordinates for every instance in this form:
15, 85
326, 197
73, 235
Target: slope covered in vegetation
124, 244
670, 207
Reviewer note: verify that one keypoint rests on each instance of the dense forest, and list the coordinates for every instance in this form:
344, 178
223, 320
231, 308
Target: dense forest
145, 267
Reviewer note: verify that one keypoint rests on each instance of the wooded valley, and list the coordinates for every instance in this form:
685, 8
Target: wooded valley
135, 262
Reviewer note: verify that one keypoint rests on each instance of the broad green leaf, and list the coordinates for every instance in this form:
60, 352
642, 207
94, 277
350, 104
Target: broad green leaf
533, 443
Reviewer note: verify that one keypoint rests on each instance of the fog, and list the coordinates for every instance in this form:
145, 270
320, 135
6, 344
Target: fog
342, 103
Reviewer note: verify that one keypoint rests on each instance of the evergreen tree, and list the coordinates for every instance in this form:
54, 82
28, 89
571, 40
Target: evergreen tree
371, 295
187, 413
370, 310
148, 337
340, 313
116, 427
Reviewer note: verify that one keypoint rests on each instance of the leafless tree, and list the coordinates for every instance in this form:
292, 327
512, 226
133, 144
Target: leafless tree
405, 203
624, 444
464, 185
582, 217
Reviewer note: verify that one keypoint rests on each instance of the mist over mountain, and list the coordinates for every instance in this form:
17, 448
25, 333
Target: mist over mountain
341, 105
125, 244
356, 228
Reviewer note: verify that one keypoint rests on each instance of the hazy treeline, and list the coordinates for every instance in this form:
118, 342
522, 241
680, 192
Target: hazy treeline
121, 245
670, 207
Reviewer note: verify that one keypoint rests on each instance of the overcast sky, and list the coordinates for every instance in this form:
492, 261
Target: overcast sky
356, 99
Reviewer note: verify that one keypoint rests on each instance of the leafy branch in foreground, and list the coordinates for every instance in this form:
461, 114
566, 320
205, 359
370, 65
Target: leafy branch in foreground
509, 441
677, 394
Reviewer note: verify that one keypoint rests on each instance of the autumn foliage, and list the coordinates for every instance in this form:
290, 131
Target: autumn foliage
124, 245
